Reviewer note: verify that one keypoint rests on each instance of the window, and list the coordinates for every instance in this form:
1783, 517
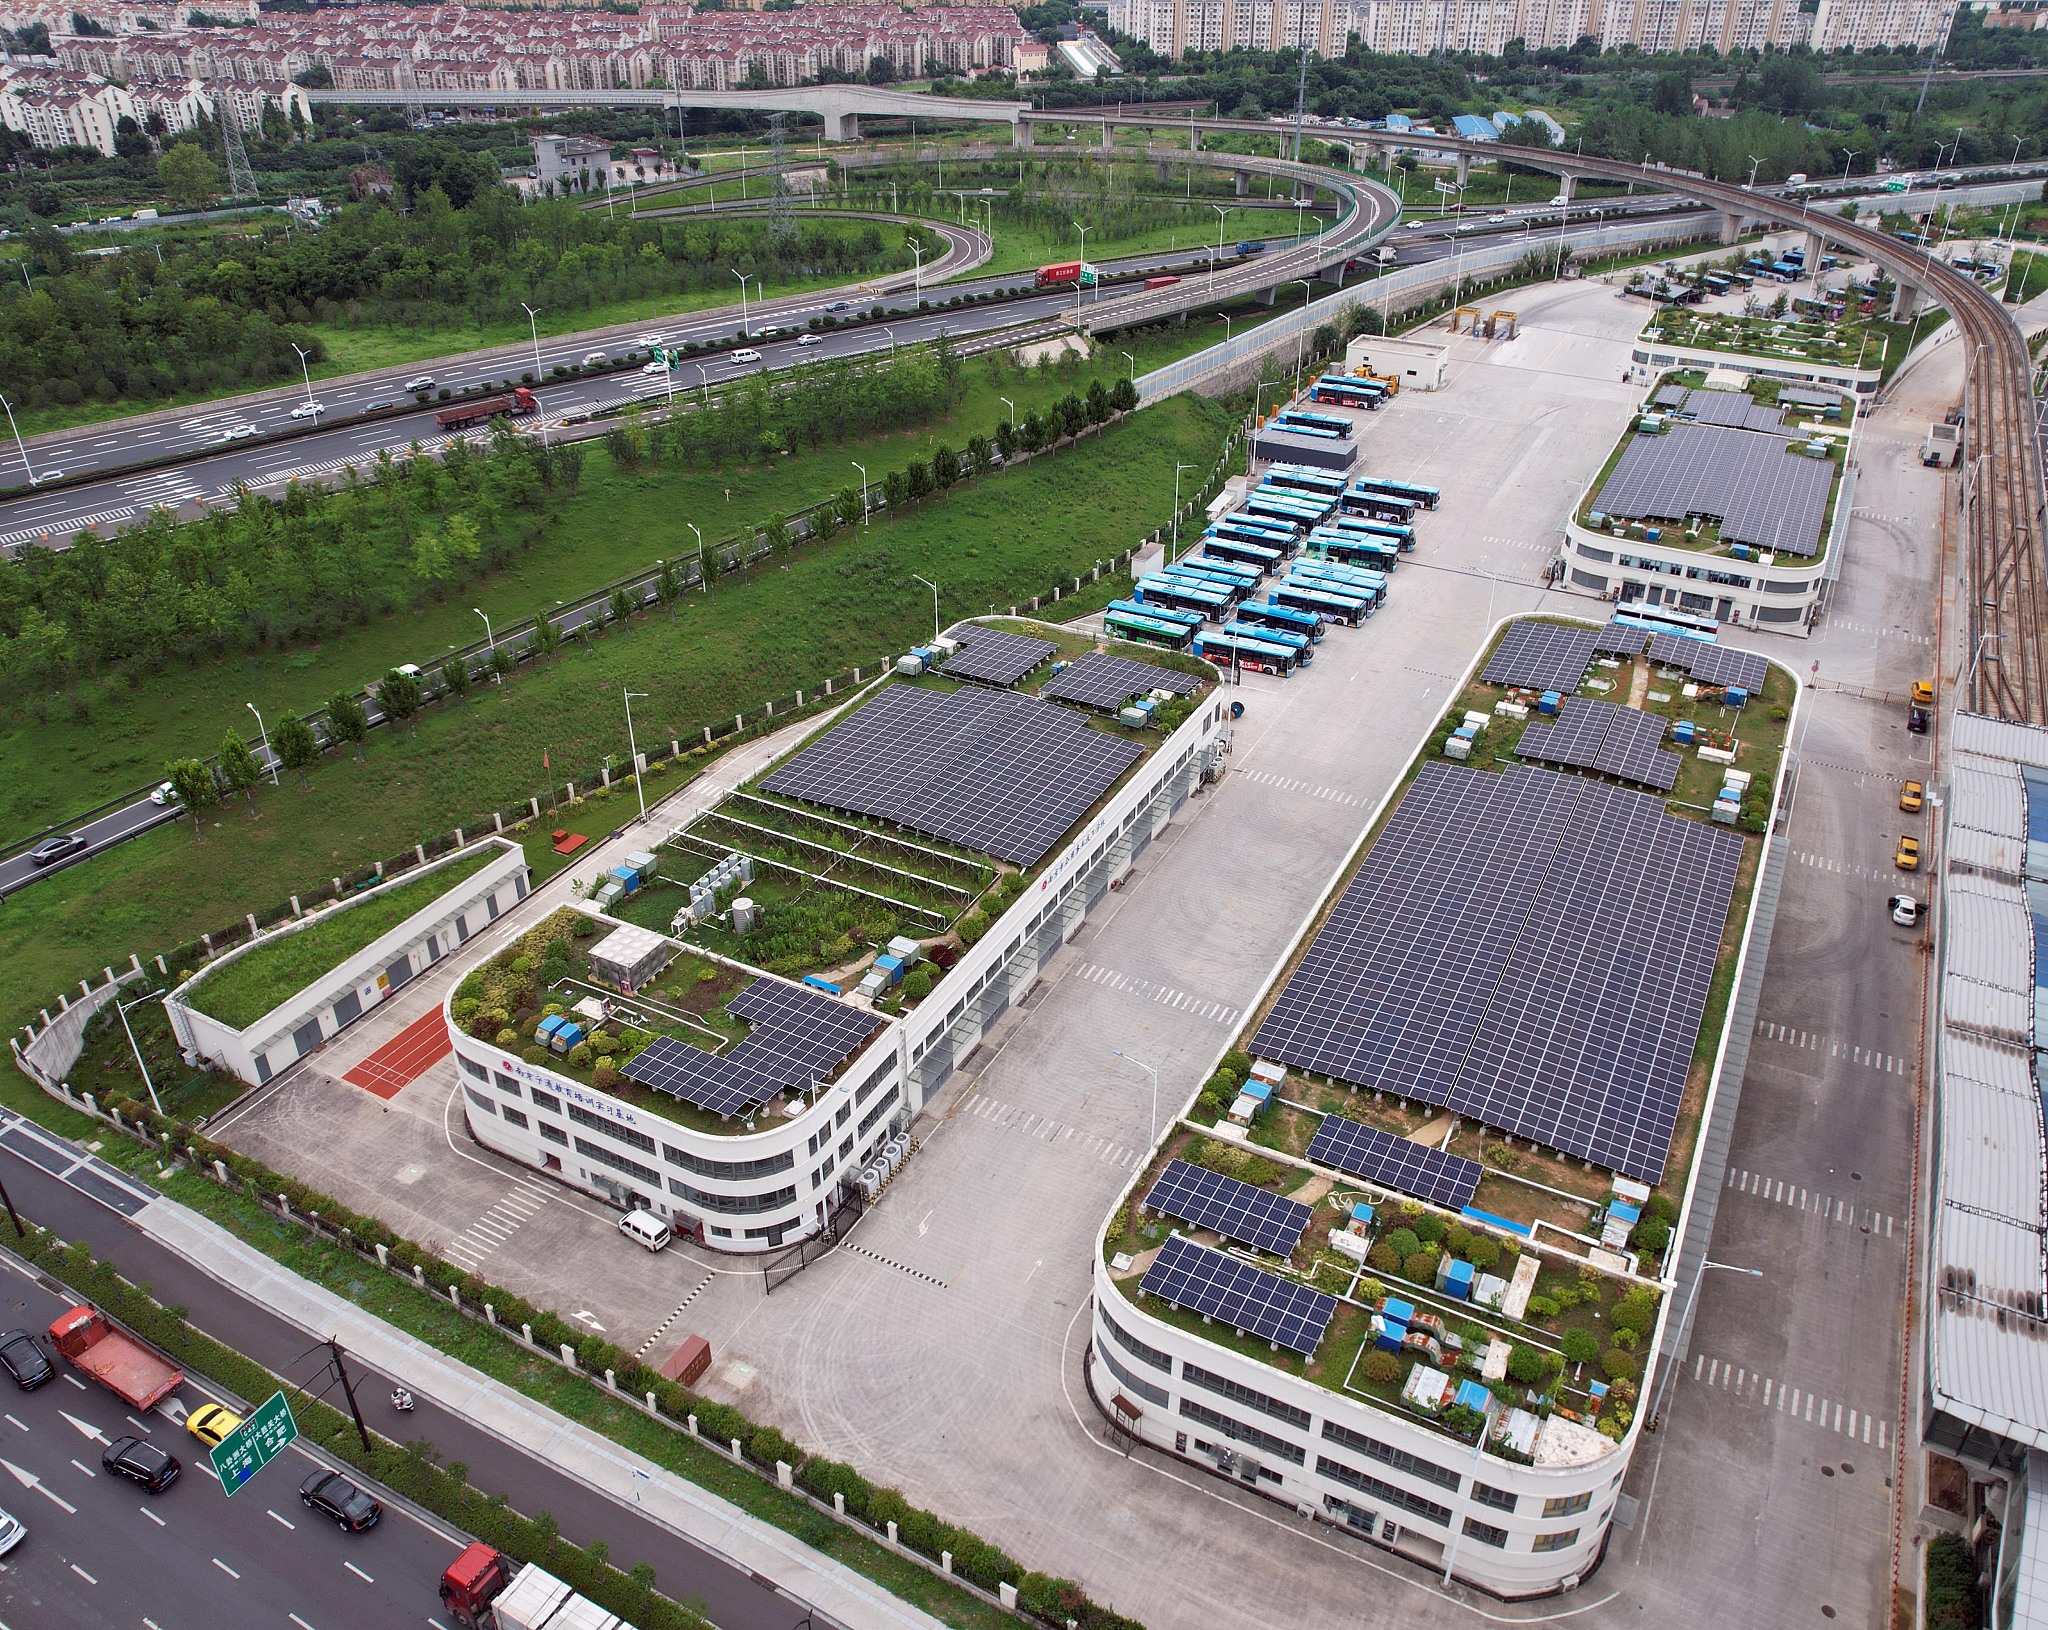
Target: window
618, 1162
1499, 1499
731, 1170
845, 1147
505, 1084
845, 1114
882, 1107
1366, 1483
1486, 1533
545, 1100
471, 1067
1243, 1433
1388, 1455
514, 1116
860, 1093
1136, 1348
480, 1101
730, 1203
1236, 1392
1556, 1542
1143, 1388
1567, 1505
552, 1132
612, 1129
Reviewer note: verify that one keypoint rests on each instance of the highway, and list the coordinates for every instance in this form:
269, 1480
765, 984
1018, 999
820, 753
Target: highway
396, 1560
102, 1553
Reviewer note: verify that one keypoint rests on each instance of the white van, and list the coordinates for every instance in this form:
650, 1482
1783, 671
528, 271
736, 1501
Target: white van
646, 1228
743, 357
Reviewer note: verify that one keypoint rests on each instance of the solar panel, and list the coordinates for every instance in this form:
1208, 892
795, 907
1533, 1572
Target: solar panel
1104, 681
1241, 1211
1002, 774
1735, 409
1711, 664
1671, 396
994, 655
1541, 656
1528, 948
709, 1081
1602, 736
797, 1037
1574, 739
1760, 491
1248, 1299
1398, 1163
1620, 640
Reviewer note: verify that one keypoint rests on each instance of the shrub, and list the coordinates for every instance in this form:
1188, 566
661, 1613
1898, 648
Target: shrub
579, 1055
1635, 1312
604, 1044
1651, 1234
1456, 1238
1617, 1365
1382, 1367
1499, 1154
1952, 1600
1383, 1259
605, 1076
1482, 1250
508, 1037
1238, 1062
1581, 1346
1662, 1208
1542, 1308
768, 1446
1525, 1364
917, 984
1420, 1267
1429, 1228
1403, 1242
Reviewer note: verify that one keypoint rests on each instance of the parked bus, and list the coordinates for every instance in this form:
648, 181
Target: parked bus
1281, 532
1190, 620
1344, 390
1667, 620
1168, 636
1329, 604
1298, 508
1414, 491
1378, 553
1310, 431
1296, 419
1237, 651
1235, 589
1359, 526
1300, 644
1298, 478
1304, 502
1208, 600
1266, 614
1242, 574
1370, 586
1380, 506
1235, 550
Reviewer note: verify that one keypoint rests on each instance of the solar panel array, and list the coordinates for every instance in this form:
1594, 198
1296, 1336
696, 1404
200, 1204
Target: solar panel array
1761, 492
1002, 774
1542, 656
994, 655
1241, 1211
1104, 681
1711, 664
1619, 741
1810, 399
1247, 1299
1671, 396
1529, 949
796, 1037
1396, 1163
1621, 640
1736, 409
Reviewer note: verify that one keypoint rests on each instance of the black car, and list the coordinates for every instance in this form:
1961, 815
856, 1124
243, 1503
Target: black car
52, 850
22, 1356
340, 1499
1917, 721
141, 1461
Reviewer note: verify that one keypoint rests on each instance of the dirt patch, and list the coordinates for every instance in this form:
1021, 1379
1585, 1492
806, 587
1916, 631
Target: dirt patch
1948, 1485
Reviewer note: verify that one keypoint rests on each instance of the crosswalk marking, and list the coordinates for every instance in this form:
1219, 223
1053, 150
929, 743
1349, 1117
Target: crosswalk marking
1869, 1057
1842, 868
167, 487
1012, 1118
1285, 783
1829, 1208
64, 529
1166, 995
1830, 1414
515, 1207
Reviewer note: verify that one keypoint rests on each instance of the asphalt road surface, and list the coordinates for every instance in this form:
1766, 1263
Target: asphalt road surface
730, 1596
101, 1552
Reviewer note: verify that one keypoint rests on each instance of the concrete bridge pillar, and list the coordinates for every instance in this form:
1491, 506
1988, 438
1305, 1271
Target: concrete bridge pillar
1108, 135
1813, 251
1268, 295
1464, 167
1194, 138
1244, 183
1565, 186
1731, 229
842, 127
1020, 134
1905, 301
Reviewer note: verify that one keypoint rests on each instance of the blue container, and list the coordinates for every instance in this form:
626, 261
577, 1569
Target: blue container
1362, 1213
1549, 702
1397, 1312
1736, 695
1682, 732
891, 966
1652, 533
1458, 1281
1390, 1338
1473, 1396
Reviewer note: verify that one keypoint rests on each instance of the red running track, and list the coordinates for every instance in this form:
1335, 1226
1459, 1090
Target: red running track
404, 1058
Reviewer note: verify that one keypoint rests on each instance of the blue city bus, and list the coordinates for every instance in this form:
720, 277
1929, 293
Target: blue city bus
1262, 557
1205, 599
1189, 620
1317, 483
1295, 419
1358, 526
1382, 554
1340, 390
1145, 630
1245, 575
1311, 431
1265, 614
1331, 606
1182, 571
1666, 620
1371, 587
1300, 644
1262, 537
1299, 508
1415, 491
1235, 651
1379, 506
1281, 532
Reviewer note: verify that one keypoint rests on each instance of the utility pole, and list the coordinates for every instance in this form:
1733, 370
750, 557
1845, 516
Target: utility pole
348, 1388
241, 178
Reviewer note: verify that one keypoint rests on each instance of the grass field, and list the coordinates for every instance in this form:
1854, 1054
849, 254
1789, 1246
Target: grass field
2028, 276
817, 613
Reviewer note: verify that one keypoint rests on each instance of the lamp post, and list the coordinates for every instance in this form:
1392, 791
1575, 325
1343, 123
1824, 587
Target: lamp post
1750, 184
1133, 361
490, 638
1012, 406
1685, 1321
1175, 549
745, 329
703, 385
1226, 327
306, 374
19, 447
1307, 293
928, 583
886, 329
1149, 1070
156, 1103
533, 328
633, 747
863, 489
262, 742
1081, 276
1216, 259
1848, 158
916, 274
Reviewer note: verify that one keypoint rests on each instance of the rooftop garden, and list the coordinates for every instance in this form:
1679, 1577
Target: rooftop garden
1845, 344
242, 989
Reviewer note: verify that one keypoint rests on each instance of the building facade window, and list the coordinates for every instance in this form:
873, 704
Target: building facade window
618, 1162
1150, 1392
547, 1101
513, 1117
1556, 1542
480, 1101
1136, 1348
731, 1204
732, 1171
505, 1084
1238, 1393
1567, 1505
1243, 1433
1388, 1455
1414, 1504
552, 1133
1486, 1533
1499, 1499
612, 1129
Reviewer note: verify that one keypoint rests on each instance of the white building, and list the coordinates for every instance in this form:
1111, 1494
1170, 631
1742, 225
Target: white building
1176, 27
1861, 25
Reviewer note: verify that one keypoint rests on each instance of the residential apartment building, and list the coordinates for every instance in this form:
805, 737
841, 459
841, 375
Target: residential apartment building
1177, 27
1861, 25
58, 107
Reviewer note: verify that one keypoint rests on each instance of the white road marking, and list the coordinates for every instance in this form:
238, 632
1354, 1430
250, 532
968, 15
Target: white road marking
143, 1425
1827, 1207
303, 1625
88, 1578
358, 1572
22, 1424
274, 1517
224, 1568
153, 1517
82, 1466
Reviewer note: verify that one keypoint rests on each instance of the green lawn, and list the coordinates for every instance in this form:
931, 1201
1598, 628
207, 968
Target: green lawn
241, 991
819, 612
2028, 276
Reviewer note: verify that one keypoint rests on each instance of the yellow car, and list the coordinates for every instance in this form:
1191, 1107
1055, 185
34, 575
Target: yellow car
1911, 797
209, 1423
1907, 857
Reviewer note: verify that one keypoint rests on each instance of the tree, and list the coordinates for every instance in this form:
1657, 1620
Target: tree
455, 676
188, 175
1097, 403
1581, 1346
1125, 396
297, 748
238, 768
547, 635
347, 720
193, 782
1672, 94
917, 480
668, 588
399, 695
945, 467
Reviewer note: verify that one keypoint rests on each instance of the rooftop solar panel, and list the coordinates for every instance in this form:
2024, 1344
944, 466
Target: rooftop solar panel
1736, 409
1621, 640
1397, 1163
1711, 664
707, 1080
1101, 680
1542, 656
1671, 396
994, 655
1241, 1211
1247, 1299
1602, 736
1760, 491
797, 1037
1574, 739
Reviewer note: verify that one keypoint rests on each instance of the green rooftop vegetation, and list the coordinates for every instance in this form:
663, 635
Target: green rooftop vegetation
1793, 339
242, 990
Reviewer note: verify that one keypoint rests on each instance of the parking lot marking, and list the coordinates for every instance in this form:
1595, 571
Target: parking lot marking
495, 1226
1166, 995
274, 1517
303, 1625
152, 1516
1285, 783
358, 1572
1809, 1041
1843, 868
22, 1424
662, 1328
891, 1262
1829, 1208
1828, 1413
224, 1568
88, 1578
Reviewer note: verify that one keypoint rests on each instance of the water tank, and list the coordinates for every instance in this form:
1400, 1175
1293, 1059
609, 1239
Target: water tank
744, 915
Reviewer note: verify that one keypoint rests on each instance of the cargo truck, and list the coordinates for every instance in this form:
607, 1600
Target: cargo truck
137, 1375
484, 1589
511, 404
1065, 274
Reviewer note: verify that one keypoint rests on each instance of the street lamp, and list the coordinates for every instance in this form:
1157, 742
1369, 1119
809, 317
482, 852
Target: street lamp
863, 489
1133, 361
1226, 327
1685, 1321
916, 274
886, 329
122, 1008
1176, 511
9, 406
533, 327
1848, 158
305, 373
703, 573
633, 747
928, 583
262, 742
1307, 293
1012, 406
745, 330
1081, 276
1754, 161
1149, 1070
490, 638
1216, 259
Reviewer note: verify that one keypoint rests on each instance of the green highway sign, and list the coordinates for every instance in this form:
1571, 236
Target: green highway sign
254, 1444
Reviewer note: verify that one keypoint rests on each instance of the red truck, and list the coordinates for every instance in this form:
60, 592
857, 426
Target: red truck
484, 1589
1065, 274
1161, 282
132, 1372
515, 402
